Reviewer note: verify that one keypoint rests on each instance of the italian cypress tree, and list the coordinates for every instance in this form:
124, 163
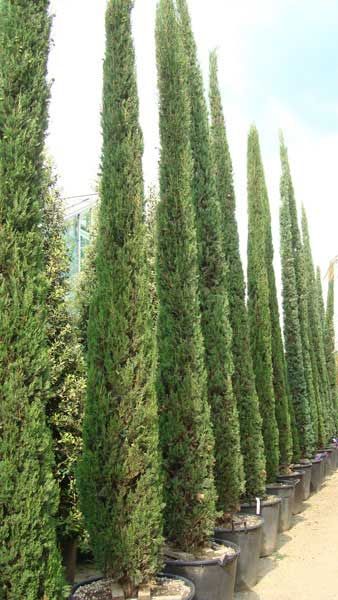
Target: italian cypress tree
330, 349
185, 427
29, 561
67, 374
243, 378
278, 359
259, 303
316, 347
216, 327
299, 262
120, 489
328, 398
292, 326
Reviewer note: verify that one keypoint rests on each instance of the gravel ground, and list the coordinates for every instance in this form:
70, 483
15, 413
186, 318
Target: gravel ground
305, 566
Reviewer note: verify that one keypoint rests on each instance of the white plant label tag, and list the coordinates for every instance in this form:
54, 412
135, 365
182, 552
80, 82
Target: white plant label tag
258, 506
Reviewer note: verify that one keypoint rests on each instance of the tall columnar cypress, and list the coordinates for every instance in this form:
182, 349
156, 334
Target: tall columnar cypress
316, 346
292, 325
185, 426
299, 262
30, 564
243, 378
259, 303
120, 489
330, 349
216, 327
327, 387
278, 359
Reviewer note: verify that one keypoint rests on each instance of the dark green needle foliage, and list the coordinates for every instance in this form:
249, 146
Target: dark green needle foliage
330, 349
67, 373
292, 325
329, 406
185, 426
29, 561
120, 489
316, 346
216, 327
278, 358
243, 378
299, 263
259, 303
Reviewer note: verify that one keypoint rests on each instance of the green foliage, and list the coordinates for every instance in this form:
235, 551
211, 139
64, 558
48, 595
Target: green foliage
330, 350
292, 324
67, 374
243, 376
259, 303
330, 417
29, 560
120, 489
185, 427
278, 359
216, 327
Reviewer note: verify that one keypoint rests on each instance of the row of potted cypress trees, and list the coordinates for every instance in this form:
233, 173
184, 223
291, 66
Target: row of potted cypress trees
185, 418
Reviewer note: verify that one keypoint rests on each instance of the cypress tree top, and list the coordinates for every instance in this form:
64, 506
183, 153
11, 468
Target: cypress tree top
243, 377
259, 303
216, 327
29, 561
185, 427
120, 487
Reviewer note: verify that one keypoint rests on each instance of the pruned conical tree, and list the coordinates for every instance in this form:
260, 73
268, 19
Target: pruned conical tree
120, 490
292, 324
185, 427
30, 565
278, 359
317, 357
216, 327
330, 349
299, 263
326, 382
259, 303
243, 378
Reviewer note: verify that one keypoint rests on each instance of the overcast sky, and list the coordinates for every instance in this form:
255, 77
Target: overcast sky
278, 67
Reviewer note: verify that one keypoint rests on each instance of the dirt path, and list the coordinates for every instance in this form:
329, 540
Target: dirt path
305, 566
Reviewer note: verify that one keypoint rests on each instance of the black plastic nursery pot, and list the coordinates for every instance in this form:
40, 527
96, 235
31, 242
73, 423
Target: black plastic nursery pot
307, 468
332, 457
213, 579
335, 455
269, 511
163, 575
329, 461
297, 479
317, 475
248, 537
286, 492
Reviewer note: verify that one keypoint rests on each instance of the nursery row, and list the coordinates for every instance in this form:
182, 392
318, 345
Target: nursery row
167, 425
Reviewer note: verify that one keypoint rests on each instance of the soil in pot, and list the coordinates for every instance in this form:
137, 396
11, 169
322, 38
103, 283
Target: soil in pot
246, 532
296, 479
162, 588
269, 509
286, 492
307, 468
213, 570
317, 475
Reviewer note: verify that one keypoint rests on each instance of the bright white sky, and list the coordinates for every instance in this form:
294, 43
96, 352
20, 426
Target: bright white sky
278, 64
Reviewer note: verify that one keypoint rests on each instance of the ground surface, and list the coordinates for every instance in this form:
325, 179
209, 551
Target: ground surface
305, 566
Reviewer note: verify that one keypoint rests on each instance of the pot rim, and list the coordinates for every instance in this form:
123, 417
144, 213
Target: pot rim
275, 500
292, 476
302, 466
285, 485
213, 562
243, 528
90, 580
